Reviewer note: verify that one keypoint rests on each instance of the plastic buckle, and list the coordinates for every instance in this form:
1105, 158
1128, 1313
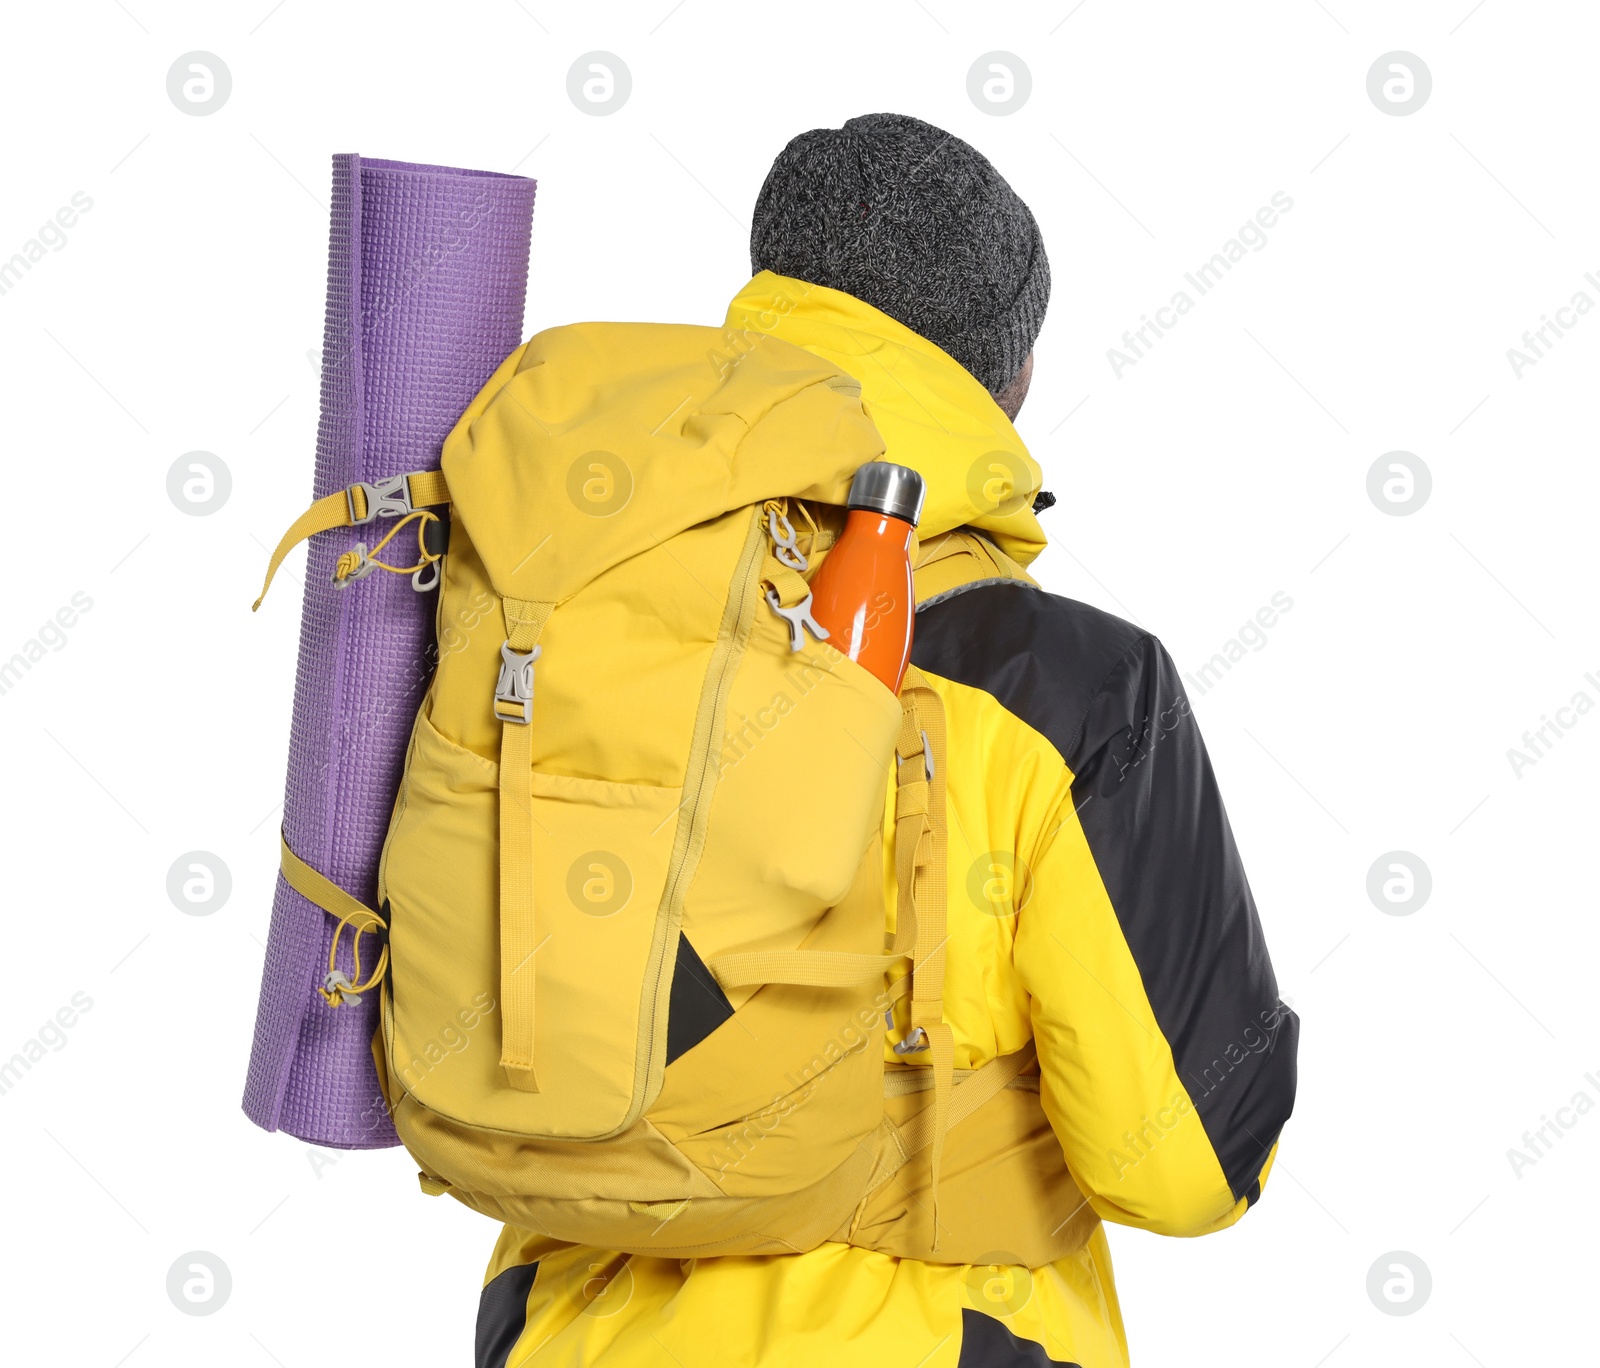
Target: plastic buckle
513, 692
390, 498
916, 1040
927, 757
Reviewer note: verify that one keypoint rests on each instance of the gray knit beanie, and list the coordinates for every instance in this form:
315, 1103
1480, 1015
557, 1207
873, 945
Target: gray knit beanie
918, 224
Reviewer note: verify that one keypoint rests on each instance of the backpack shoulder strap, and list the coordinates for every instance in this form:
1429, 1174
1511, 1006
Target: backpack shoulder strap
921, 871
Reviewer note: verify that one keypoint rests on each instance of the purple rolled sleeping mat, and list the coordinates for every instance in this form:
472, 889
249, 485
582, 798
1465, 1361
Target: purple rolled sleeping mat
427, 277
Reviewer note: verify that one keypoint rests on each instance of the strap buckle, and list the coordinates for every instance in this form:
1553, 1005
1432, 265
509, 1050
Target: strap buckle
916, 1040
390, 498
927, 756
513, 692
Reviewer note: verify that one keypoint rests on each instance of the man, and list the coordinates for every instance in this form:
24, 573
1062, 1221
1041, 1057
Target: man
1096, 898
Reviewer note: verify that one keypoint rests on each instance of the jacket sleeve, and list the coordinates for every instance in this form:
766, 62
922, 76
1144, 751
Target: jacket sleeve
1167, 1058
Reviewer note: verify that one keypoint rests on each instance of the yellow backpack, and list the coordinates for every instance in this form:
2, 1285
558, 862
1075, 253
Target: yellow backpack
642, 937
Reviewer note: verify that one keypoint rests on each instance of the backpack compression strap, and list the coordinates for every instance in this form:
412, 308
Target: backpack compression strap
317, 888
922, 738
979, 1086
396, 497
513, 705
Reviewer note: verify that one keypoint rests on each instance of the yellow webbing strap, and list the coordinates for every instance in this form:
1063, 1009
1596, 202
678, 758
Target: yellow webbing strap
981, 1085
921, 748
315, 887
525, 619
811, 968
897, 1144
426, 487
790, 585
908, 1079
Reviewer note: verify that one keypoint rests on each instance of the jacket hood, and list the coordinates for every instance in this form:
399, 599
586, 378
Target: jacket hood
933, 414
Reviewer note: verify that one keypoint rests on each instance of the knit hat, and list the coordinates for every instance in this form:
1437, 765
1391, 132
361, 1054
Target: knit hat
917, 223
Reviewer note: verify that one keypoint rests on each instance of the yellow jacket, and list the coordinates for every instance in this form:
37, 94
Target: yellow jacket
1080, 798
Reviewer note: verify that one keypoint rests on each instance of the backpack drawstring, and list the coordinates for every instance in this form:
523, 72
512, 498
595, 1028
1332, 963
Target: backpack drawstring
338, 988
358, 563
317, 889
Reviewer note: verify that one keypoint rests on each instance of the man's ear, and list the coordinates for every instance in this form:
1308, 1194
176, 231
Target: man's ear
1016, 390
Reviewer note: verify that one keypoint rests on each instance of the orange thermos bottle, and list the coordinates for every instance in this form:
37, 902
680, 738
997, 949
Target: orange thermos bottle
862, 594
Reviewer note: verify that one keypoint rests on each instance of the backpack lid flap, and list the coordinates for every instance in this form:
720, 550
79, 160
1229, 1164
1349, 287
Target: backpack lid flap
597, 441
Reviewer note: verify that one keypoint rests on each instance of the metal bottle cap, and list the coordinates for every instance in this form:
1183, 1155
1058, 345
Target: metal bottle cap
885, 487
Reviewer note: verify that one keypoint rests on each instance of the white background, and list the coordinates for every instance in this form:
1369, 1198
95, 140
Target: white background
1227, 465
